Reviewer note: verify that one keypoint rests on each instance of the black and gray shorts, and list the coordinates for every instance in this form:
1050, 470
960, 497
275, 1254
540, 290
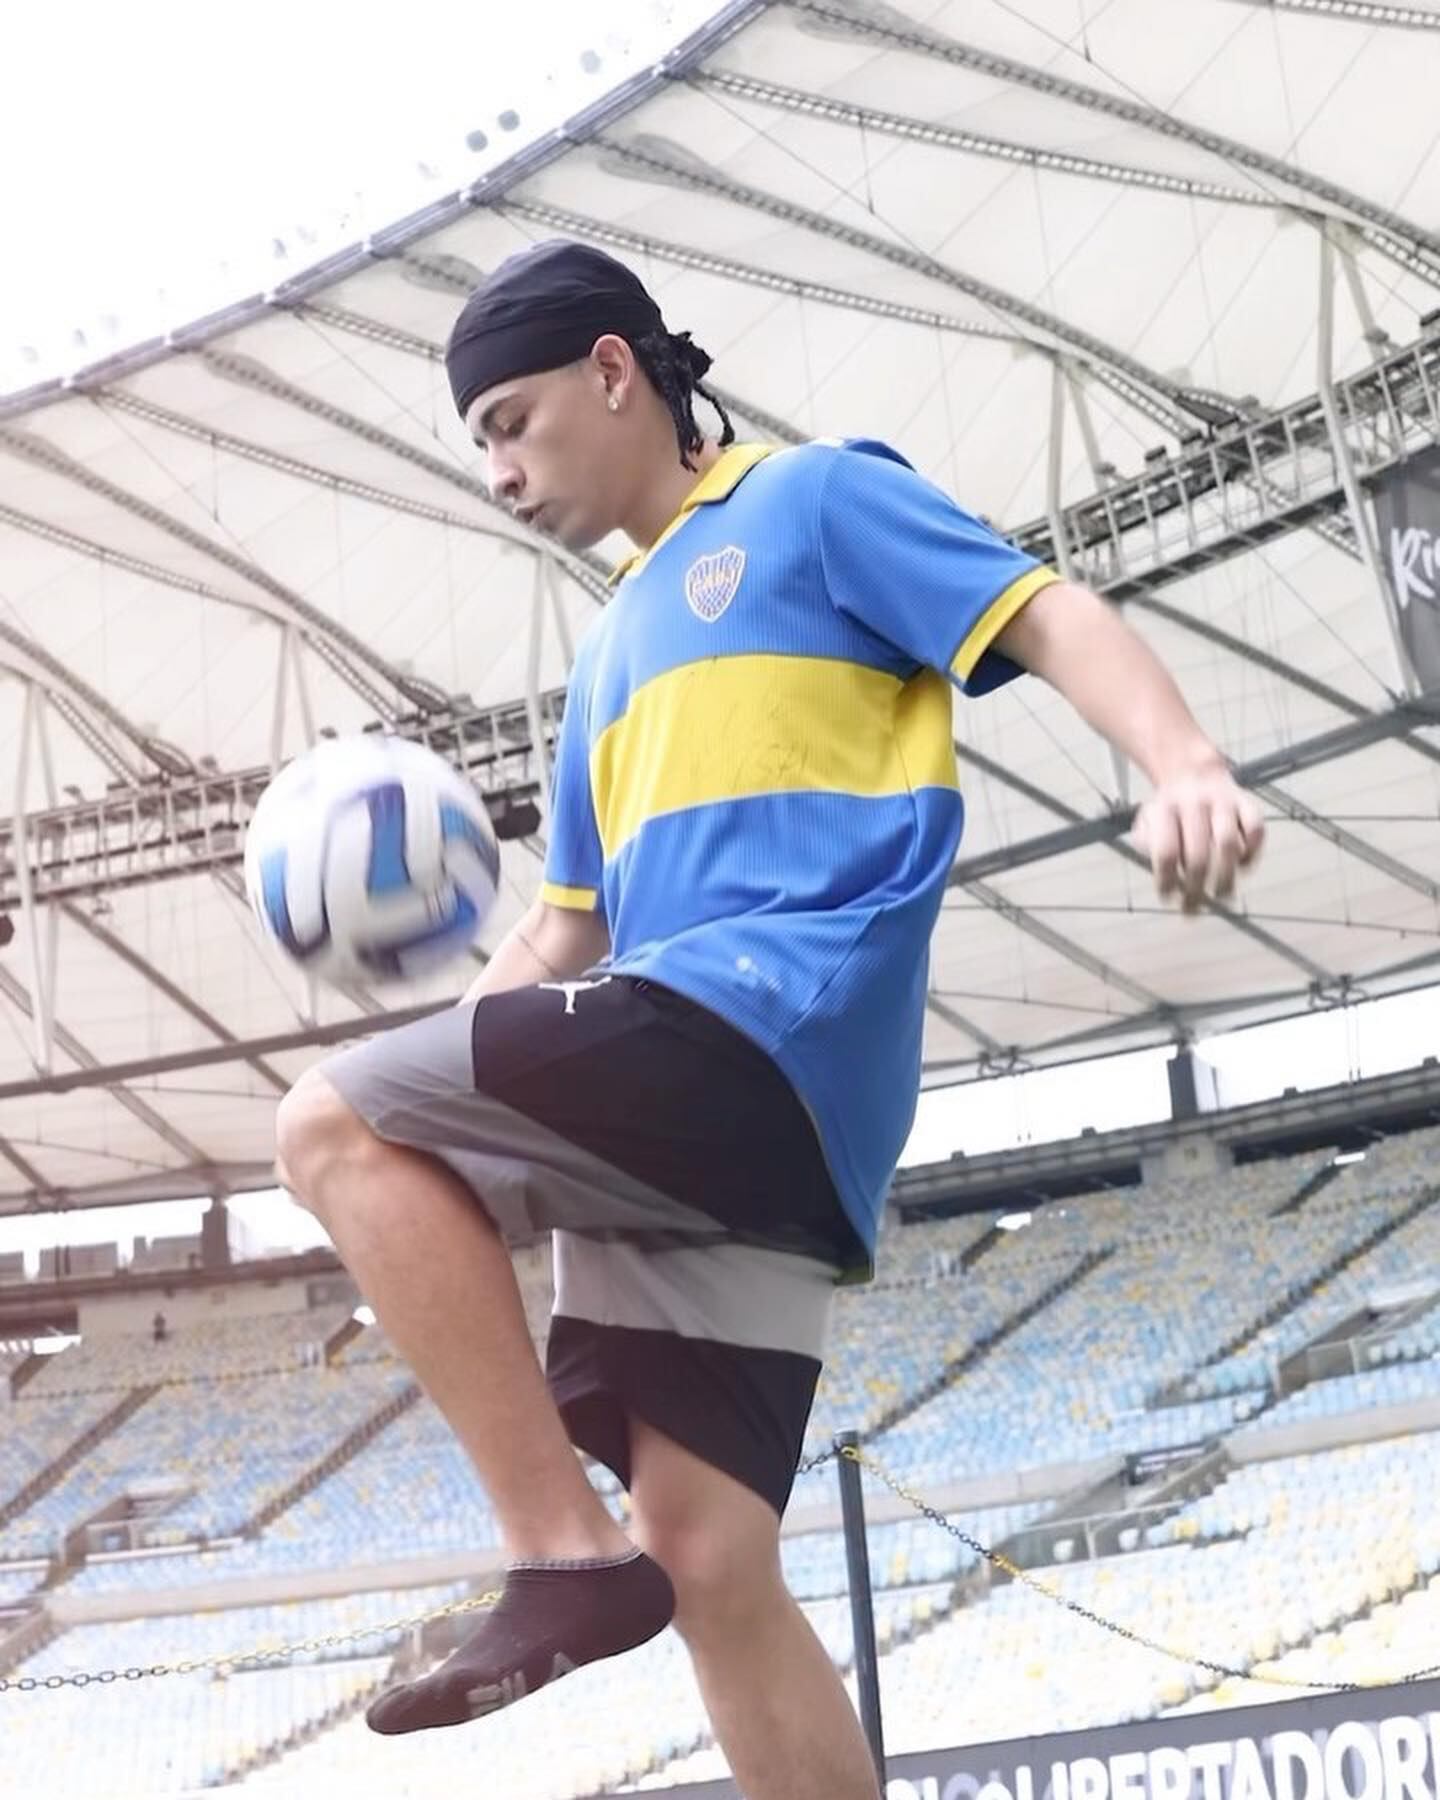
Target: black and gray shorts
697, 1235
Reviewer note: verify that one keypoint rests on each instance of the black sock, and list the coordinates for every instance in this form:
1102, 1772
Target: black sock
551, 1617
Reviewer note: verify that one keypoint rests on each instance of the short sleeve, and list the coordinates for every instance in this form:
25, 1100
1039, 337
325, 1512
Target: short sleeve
574, 861
903, 560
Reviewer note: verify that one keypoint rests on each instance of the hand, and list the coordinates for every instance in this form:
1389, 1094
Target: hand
1199, 829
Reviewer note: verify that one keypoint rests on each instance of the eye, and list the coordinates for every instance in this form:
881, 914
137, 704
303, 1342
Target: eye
512, 428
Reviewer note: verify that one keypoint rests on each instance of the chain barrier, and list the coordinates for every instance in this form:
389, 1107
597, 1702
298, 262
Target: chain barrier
277, 1653
998, 1560
812, 1463
235, 1659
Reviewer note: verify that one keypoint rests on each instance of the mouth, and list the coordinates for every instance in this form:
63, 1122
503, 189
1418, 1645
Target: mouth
533, 516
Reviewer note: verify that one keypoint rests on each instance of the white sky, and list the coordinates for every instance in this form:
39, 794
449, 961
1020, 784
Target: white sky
162, 160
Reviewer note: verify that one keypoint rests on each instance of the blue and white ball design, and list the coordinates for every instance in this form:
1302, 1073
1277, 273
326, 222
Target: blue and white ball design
371, 857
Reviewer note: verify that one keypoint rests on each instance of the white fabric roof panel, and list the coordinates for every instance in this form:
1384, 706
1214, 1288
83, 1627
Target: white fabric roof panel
875, 257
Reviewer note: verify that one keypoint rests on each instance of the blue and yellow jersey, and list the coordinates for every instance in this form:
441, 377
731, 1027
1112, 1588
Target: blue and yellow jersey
755, 782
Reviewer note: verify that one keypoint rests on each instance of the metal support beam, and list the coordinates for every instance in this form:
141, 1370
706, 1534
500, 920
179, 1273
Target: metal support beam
281, 601
657, 159
308, 1013
1101, 472
160, 830
1057, 941
1370, 13
40, 923
1253, 482
1216, 909
1392, 867
562, 623
249, 372
409, 342
162, 983
1276, 666
811, 105
1060, 388
727, 268
109, 557
1342, 238
289, 671
1403, 240
416, 228
254, 1050
1345, 463
1294, 809
91, 1066
91, 1074
1161, 400
539, 594
72, 696
501, 526
1274, 765
186, 1183
40, 1185
950, 1015
182, 828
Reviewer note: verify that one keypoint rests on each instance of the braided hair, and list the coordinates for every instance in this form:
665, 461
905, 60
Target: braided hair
676, 368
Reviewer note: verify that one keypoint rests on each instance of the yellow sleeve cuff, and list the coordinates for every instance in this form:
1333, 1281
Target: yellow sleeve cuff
1001, 610
574, 899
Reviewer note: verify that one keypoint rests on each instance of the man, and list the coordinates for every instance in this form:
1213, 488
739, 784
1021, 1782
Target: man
696, 1058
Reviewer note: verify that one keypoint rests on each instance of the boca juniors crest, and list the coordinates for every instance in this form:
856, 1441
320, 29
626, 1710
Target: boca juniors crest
711, 582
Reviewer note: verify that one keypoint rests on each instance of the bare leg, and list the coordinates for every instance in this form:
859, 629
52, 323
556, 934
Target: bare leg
776, 1702
441, 1283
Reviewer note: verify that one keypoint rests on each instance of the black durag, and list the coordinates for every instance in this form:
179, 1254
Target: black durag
544, 308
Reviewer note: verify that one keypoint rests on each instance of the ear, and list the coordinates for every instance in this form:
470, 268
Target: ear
615, 370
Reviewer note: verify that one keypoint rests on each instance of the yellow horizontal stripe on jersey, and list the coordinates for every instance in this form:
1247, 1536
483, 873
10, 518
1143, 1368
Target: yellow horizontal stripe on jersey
1001, 610
573, 899
735, 727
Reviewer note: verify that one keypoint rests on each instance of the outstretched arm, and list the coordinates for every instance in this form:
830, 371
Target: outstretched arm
1198, 827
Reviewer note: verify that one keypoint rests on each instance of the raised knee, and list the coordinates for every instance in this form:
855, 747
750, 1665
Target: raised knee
314, 1128
722, 1582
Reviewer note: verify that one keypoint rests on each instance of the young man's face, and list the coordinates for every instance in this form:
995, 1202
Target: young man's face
552, 452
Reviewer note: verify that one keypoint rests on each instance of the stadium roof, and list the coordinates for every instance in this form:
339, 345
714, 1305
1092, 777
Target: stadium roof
1114, 285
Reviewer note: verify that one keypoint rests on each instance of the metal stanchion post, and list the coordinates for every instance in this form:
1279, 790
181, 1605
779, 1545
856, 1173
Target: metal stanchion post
862, 1610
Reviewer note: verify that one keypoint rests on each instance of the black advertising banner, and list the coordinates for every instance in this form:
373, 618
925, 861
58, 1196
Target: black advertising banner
1379, 1744
1407, 512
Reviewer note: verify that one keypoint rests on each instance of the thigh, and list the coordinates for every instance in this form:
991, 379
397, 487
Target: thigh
715, 1348
604, 1106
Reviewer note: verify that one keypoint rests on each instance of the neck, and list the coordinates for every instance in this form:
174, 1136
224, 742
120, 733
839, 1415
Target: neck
657, 503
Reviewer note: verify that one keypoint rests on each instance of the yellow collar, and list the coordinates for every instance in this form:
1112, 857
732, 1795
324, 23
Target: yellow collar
717, 483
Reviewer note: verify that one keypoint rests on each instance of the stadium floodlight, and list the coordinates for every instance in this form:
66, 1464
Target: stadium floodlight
54, 1344
363, 1315
1016, 1221
1341, 1157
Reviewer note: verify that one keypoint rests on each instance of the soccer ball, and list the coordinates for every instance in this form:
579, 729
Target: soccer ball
371, 857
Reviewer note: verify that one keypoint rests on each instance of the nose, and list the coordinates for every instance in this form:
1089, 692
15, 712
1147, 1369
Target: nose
506, 480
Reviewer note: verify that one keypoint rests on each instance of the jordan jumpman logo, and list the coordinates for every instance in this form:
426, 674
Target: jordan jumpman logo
571, 988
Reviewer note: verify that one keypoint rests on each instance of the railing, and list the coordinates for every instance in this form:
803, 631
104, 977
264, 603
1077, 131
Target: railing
1245, 483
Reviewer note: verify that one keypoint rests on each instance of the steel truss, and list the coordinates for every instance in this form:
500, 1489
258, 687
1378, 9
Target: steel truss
1228, 490
164, 827
1218, 496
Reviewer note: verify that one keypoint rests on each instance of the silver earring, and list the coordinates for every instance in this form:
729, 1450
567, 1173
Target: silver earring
613, 404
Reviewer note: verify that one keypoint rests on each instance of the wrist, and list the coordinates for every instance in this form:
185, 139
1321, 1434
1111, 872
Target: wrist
1184, 760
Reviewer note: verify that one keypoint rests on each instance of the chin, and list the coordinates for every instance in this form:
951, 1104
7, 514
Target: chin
578, 534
